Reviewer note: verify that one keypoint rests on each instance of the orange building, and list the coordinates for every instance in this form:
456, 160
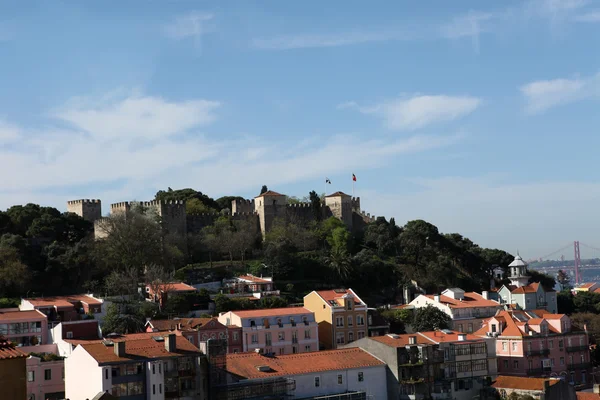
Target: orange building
13, 370
341, 316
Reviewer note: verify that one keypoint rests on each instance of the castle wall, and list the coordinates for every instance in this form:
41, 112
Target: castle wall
299, 214
242, 206
268, 209
100, 228
195, 223
341, 207
120, 208
90, 210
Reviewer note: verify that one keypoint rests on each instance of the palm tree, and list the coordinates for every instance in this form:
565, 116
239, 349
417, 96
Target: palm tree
339, 262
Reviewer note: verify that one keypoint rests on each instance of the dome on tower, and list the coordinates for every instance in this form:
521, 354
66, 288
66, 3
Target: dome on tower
518, 262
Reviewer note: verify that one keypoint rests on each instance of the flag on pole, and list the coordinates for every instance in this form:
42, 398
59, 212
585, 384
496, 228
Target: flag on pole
354, 177
327, 180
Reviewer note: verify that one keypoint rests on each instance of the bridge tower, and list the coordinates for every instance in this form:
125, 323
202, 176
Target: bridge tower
577, 262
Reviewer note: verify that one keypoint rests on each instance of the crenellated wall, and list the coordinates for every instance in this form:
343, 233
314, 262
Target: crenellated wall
88, 209
242, 206
300, 213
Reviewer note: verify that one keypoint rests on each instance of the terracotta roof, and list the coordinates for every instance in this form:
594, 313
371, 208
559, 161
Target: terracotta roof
140, 349
271, 312
253, 278
393, 340
514, 382
187, 324
448, 336
587, 396
471, 299
553, 316
336, 295
587, 285
246, 364
21, 315
269, 193
535, 321
338, 194
596, 290
63, 301
120, 338
177, 287
7, 350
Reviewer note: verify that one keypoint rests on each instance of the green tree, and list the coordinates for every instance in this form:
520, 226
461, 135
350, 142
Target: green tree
15, 275
316, 205
195, 206
563, 280
123, 317
223, 303
564, 300
272, 302
586, 302
224, 203
545, 280
429, 319
264, 189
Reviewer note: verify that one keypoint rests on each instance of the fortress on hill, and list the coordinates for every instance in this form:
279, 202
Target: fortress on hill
263, 210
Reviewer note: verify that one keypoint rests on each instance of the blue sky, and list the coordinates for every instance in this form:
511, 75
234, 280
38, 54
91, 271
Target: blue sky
480, 117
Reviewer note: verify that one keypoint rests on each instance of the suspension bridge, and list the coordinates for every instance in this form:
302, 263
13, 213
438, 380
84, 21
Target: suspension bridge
573, 267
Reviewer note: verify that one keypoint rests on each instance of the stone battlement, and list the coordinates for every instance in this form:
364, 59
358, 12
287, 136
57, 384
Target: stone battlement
299, 205
81, 201
123, 204
242, 206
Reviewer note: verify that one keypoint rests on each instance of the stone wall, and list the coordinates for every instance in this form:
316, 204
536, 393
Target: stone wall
88, 209
242, 206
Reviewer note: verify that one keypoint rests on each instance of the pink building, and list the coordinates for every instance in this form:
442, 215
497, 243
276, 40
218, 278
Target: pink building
45, 379
536, 343
25, 328
64, 308
199, 330
275, 330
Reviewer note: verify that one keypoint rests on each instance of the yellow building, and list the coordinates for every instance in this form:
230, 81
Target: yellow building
341, 315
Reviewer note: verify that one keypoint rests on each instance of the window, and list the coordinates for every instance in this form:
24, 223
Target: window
228, 321
281, 336
153, 389
307, 334
30, 376
349, 304
530, 364
514, 346
266, 323
350, 323
561, 344
160, 388
317, 381
339, 339
105, 373
292, 321
69, 335
340, 379
153, 369
361, 334
339, 321
252, 323
350, 337
550, 344
166, 367
281, 351
493, 327
516, 364
528, 346
582, 358
504, 346
361, 377
470, 328
294, 349
581, 340
159, 368
505, 364
552, 362
583, 377
307, 348
255, 338
360, 320
279, 322
236, 336
47, 374
562, 361
459, 328
268, 338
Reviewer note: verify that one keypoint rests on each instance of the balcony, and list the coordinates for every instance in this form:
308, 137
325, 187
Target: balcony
585, 365
572, 349
542, 352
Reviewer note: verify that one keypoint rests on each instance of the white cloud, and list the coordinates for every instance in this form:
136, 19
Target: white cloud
469, 25
542, 95
592, 16
193, 25
536, 218
138, 144
8, 132
287, 42
420, 110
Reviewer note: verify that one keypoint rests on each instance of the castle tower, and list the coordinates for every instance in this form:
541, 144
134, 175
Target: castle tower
239, 206
269, 206
90, 210
172, 215
120, 208
340, 204
518, 272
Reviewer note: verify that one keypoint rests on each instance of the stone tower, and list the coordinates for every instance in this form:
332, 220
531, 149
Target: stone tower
90, 210
269, 206
517, 271
172, 215
341, 205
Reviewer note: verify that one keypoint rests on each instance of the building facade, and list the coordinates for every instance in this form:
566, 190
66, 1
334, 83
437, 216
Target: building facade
13, 371
539, 344
137, 368
343, 373
276, 330
64, 308
25, 328
466, 310
200, 330
45, 379
341, 315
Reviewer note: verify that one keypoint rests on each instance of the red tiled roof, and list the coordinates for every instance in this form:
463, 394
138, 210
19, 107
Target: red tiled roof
587, 285
7, 350
21, 315
535, 321
269, 193
587, 396
253, 278
187, 324
597, 290
122, 338
177, 287
519, 383
471, 299
336, 295
246, 364
399, 340
63, 301
147, 348
271, 312
443, 337
338, 194
552, 316
531, 288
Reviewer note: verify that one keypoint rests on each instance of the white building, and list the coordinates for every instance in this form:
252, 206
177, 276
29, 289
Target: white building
139, 367
346, 373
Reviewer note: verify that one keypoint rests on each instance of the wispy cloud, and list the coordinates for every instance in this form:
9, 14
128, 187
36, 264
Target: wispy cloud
137, 144
8, 132
419, 111
592, 16
469, 25
191, 26
287, 42
545, 94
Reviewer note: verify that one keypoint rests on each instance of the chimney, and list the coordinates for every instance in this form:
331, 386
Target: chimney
170, 343
485, 294
436, 298
120, 349
462, 337
596, 388
412, 340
